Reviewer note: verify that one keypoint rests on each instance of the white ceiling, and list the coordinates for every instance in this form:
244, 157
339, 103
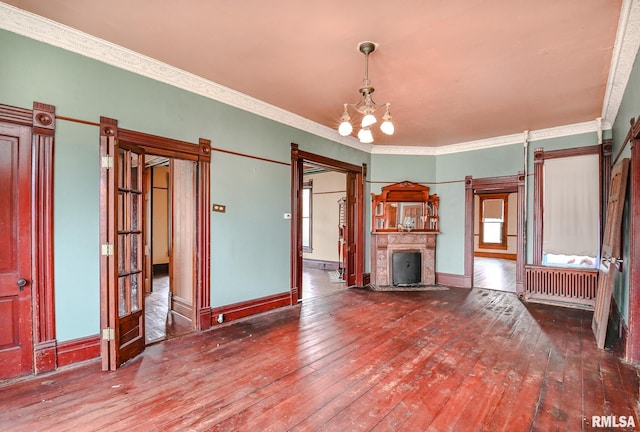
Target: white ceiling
454, 71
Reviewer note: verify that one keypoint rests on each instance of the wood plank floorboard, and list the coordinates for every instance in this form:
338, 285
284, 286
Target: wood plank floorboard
351, 360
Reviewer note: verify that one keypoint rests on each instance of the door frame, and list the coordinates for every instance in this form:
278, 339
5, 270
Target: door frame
504, 184
171, 148
632, 343
42, 121
298, 157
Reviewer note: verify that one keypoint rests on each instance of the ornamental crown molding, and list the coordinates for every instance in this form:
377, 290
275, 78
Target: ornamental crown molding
50, 32
625, 50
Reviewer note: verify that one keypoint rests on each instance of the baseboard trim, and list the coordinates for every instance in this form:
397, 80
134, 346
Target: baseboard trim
244, 309
45, 356
509, 256
320, 264
77, 350
450, 279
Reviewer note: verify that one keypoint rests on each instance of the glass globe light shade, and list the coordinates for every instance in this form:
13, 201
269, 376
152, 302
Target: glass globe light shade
387, 127
345, 128
368, 120
365, 136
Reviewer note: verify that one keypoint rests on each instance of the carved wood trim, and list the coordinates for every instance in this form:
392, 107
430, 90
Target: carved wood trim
522, 234
468, 232
570, 152
10, 114
298, 157
605, 181
539, 156
42, 208
632, 346
538, 184
162, 146
296, 227
510, 184
203, 220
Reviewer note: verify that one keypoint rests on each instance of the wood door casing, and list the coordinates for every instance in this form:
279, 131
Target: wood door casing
16, 314
351, 229
110, 138
611, 250
355, 216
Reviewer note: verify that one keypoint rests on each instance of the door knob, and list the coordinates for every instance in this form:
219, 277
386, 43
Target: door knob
22, 282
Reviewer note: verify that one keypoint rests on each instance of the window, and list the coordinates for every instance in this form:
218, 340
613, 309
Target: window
493, 221
571, 212
307, 205
569, 187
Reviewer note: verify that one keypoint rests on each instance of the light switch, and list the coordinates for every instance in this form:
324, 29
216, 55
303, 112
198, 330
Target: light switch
287, 215
219, 208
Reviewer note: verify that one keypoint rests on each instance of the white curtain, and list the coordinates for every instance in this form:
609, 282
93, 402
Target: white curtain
571, 206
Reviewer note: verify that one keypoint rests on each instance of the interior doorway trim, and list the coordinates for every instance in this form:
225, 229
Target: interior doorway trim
201, 154
298, 157
498, 185
632, 345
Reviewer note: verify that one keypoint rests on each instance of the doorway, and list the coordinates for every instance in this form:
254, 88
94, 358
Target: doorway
494, 247
323, 231
353, 236
126, 259
170, 208
495, 239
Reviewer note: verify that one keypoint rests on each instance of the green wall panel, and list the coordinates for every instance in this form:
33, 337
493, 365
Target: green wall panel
76, 234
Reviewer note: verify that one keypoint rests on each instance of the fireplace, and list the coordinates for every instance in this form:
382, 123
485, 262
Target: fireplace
406, 268
384, 247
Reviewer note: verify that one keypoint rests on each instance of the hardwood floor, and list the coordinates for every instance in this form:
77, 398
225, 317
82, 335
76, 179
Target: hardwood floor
161, 323
459, 360
316, 282
494, 273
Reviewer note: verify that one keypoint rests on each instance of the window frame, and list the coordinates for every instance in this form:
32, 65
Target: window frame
503, 245
308, 185
540, 155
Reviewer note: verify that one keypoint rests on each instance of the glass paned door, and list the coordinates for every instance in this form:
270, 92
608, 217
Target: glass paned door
129, 232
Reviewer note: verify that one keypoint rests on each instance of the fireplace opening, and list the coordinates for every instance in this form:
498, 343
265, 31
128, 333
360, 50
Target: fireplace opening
406, 268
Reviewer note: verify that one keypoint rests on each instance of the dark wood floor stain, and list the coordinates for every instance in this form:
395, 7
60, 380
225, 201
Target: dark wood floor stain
456, 360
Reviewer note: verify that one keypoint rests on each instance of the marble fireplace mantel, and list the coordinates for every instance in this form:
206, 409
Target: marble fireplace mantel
384, 244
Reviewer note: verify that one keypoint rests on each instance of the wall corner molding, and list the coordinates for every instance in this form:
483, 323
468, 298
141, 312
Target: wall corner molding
625, 49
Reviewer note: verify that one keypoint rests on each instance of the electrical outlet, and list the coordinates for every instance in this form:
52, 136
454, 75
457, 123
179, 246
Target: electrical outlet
219, 208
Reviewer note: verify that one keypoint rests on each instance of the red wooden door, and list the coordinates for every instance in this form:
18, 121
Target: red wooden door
122, 280
16, 340
611, 250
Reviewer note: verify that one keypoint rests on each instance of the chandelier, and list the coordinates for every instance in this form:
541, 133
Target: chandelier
366, 105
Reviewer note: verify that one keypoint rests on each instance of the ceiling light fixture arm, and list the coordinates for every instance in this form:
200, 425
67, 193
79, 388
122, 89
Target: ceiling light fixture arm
366, 106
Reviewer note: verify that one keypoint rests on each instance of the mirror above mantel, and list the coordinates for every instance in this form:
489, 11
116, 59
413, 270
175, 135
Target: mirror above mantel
405, 206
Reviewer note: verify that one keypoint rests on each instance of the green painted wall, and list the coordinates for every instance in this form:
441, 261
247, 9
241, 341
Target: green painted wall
451, 171
76, 235
249, 243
